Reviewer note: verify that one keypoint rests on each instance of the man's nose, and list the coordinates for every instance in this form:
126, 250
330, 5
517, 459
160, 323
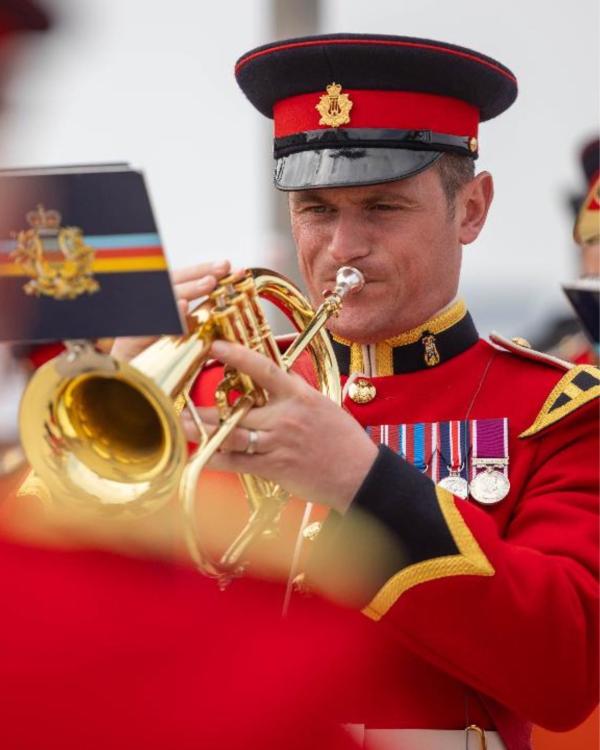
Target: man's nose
348, 240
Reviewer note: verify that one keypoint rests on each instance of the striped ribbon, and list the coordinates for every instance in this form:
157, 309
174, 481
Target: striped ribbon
441, 448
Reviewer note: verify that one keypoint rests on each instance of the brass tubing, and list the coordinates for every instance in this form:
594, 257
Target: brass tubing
328, 308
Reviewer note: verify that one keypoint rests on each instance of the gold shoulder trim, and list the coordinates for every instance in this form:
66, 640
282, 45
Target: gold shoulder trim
470, 561
578, 385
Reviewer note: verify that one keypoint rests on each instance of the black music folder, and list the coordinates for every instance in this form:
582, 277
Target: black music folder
81, 257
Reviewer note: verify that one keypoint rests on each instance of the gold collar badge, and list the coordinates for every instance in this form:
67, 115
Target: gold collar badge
334, 107
65, 270
431, 354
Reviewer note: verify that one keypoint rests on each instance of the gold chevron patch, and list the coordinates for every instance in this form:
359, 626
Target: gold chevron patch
578, 386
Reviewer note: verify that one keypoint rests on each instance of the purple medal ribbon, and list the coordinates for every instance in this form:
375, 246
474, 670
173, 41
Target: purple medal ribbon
489, 460
489, 441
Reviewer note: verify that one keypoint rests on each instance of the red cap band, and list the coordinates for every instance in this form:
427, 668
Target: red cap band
395, 110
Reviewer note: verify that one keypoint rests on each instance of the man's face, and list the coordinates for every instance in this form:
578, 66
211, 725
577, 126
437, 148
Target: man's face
401, 235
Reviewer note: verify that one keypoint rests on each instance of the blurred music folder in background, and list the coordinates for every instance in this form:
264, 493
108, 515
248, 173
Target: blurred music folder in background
80, 256
584, 296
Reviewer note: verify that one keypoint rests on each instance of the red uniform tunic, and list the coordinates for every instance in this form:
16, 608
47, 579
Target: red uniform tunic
483, 613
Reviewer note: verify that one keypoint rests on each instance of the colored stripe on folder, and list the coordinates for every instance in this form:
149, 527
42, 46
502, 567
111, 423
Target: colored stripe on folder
98, 242
105, 265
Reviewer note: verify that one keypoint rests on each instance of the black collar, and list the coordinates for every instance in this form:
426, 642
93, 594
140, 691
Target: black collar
426, 346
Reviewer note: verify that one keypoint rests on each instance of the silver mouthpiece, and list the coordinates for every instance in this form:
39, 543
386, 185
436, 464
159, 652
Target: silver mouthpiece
348, 280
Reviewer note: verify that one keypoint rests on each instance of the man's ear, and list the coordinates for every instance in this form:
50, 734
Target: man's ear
473, 203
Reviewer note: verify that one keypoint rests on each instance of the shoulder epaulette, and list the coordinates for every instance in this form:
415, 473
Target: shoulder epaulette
522, 348
579, 385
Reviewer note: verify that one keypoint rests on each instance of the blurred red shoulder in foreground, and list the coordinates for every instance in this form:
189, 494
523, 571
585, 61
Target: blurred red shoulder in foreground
98, 650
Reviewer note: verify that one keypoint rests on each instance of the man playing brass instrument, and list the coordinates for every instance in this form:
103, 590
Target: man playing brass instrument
478, 460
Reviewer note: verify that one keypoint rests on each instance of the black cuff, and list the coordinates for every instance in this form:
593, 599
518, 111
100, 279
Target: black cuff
394, 521
404, 500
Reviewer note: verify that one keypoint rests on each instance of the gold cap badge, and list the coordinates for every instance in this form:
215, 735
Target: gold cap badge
334, 107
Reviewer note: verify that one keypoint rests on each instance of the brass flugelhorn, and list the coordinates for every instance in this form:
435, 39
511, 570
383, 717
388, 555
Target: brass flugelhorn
106, 434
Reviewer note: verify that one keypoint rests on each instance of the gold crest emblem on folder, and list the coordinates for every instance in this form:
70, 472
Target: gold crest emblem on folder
334, 107
56, 258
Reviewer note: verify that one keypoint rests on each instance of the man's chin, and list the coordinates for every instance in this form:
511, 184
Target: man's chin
349, 330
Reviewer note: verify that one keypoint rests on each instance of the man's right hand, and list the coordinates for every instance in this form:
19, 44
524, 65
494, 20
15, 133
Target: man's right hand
189, 284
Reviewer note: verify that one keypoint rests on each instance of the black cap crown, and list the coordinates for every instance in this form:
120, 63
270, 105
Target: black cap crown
353, 109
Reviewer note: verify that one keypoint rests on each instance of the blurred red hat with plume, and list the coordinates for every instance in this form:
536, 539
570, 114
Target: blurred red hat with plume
21, 15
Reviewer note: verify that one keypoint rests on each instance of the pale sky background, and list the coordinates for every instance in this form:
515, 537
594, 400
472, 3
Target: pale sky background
151, 83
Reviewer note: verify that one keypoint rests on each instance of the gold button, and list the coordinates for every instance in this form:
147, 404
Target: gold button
520, 341
473, 144
362, 391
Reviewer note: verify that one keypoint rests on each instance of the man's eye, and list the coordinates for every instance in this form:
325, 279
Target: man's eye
317, 209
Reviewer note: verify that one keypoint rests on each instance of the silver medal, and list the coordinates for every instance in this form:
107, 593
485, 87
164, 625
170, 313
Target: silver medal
489, 486
455, 484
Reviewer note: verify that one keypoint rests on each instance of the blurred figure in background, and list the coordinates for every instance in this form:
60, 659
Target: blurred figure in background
566, 338
582, 349
584, 293
587, 229
21, 15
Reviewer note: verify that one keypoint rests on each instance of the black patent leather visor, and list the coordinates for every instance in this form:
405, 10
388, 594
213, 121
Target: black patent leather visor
343, 167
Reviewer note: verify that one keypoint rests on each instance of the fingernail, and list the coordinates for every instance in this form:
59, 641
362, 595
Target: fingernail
221, 265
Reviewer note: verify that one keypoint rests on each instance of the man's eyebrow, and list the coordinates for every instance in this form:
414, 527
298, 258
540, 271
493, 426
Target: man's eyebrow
308, 196
386, 197
316, 196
